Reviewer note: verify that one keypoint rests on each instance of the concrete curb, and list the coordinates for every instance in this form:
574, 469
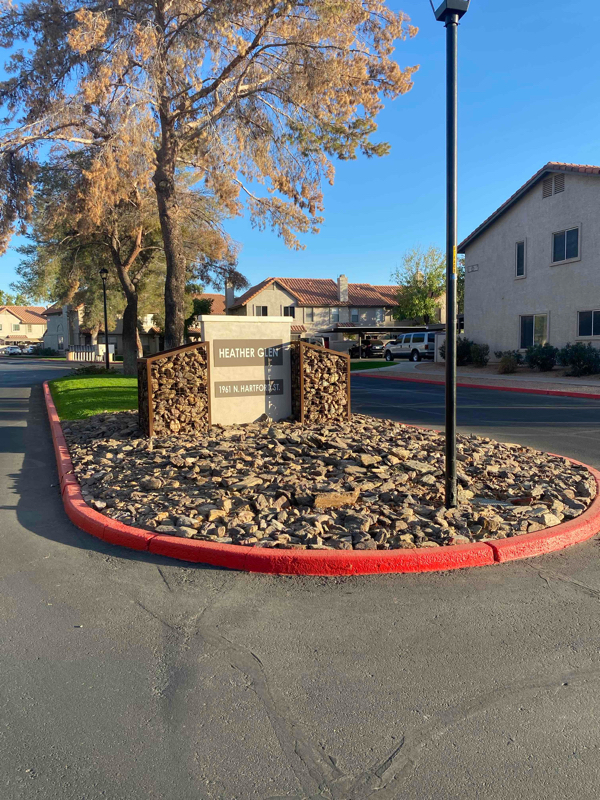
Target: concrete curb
521, 390
310, 562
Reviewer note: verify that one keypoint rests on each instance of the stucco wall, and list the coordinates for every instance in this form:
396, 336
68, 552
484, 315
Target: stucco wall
495, 299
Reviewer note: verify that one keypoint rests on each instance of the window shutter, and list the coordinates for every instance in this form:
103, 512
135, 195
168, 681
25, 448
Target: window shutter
559, 183
547, 190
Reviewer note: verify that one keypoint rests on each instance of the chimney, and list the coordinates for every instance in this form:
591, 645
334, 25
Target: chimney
229, 295
343, 289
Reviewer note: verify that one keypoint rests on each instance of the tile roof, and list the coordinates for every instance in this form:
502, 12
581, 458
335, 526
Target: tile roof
29, 315
55, 309
324, 292
218, 304
551, 166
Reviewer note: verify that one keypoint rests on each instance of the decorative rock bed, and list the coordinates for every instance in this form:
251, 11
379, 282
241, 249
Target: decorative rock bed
366, 484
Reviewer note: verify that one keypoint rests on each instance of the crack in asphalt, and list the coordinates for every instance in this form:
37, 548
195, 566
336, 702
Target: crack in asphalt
547, 574
317, 773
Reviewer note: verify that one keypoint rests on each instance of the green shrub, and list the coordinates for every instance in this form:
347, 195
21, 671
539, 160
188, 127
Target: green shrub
508, 365
516, 355
480, 354
46, 351
542, 357
463, 351
95, 369
583, 359
464, 354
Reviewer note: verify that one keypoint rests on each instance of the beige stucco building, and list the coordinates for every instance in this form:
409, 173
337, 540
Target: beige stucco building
63, 326
320, 306
532, 269
22, 325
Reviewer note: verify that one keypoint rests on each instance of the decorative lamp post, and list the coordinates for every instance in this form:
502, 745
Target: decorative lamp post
450, 13
104, 276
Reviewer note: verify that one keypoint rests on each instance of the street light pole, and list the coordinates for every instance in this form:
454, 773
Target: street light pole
104, 276
450, 13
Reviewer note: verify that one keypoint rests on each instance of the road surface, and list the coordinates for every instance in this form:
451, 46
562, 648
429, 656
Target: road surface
131, 677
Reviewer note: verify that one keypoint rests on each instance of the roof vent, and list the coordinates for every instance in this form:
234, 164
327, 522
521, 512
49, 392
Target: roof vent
559, 183
547, 190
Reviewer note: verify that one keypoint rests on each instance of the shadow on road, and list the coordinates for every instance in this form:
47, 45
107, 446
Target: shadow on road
39, 506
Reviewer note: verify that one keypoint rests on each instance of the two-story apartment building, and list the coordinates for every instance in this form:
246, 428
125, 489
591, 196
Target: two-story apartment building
318, 305
21, 325
63, 326
532, 269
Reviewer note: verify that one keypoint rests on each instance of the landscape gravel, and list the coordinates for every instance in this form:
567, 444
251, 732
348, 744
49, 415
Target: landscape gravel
365, 484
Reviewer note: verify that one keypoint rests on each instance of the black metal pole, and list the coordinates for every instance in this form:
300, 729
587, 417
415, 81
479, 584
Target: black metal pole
107, 360
451, 235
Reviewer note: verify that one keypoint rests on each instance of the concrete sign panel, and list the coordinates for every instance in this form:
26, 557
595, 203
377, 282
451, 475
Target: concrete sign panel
247, 353
252, 388
250, 370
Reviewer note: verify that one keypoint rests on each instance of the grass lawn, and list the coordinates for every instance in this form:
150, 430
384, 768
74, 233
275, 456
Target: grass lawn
80, 396
368, 364
32, 355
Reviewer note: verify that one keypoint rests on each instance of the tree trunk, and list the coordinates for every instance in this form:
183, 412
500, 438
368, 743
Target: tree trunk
130, 336
168, 209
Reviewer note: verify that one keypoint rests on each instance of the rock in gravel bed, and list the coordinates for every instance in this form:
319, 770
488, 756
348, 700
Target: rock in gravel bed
368, 484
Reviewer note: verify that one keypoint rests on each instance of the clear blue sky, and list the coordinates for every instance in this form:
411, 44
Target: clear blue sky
529, 93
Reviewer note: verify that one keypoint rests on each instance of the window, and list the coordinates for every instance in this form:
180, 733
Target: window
288, 311
431, 337
61, 342
16, 326
520, 260
309, 315
261, 311
589, 323
379, 315
418, 338
334, 315
565, 245
354, 315
29, 328
473, 268
534, 330
0, 326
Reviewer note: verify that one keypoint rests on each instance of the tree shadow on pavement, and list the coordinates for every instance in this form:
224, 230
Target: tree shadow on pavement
39, 506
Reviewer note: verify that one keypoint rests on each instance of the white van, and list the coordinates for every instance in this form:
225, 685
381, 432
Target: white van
413, 346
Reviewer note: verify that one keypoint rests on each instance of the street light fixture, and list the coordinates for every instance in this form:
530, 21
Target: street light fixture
104, 276
450, 12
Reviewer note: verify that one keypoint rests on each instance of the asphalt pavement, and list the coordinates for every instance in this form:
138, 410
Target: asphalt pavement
127, 676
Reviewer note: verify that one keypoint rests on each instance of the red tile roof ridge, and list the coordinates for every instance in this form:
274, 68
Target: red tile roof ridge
324, 292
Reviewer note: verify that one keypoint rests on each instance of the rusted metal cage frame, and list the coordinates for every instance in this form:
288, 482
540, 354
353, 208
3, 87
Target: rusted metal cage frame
165, 353
306, 345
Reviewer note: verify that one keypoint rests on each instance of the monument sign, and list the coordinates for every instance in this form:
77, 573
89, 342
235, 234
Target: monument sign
250, 371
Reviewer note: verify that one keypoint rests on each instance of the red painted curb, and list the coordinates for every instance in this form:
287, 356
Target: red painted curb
310, 562
555, 392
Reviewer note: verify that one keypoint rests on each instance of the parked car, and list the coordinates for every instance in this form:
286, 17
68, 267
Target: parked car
13, 350
413, 346
370, 348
